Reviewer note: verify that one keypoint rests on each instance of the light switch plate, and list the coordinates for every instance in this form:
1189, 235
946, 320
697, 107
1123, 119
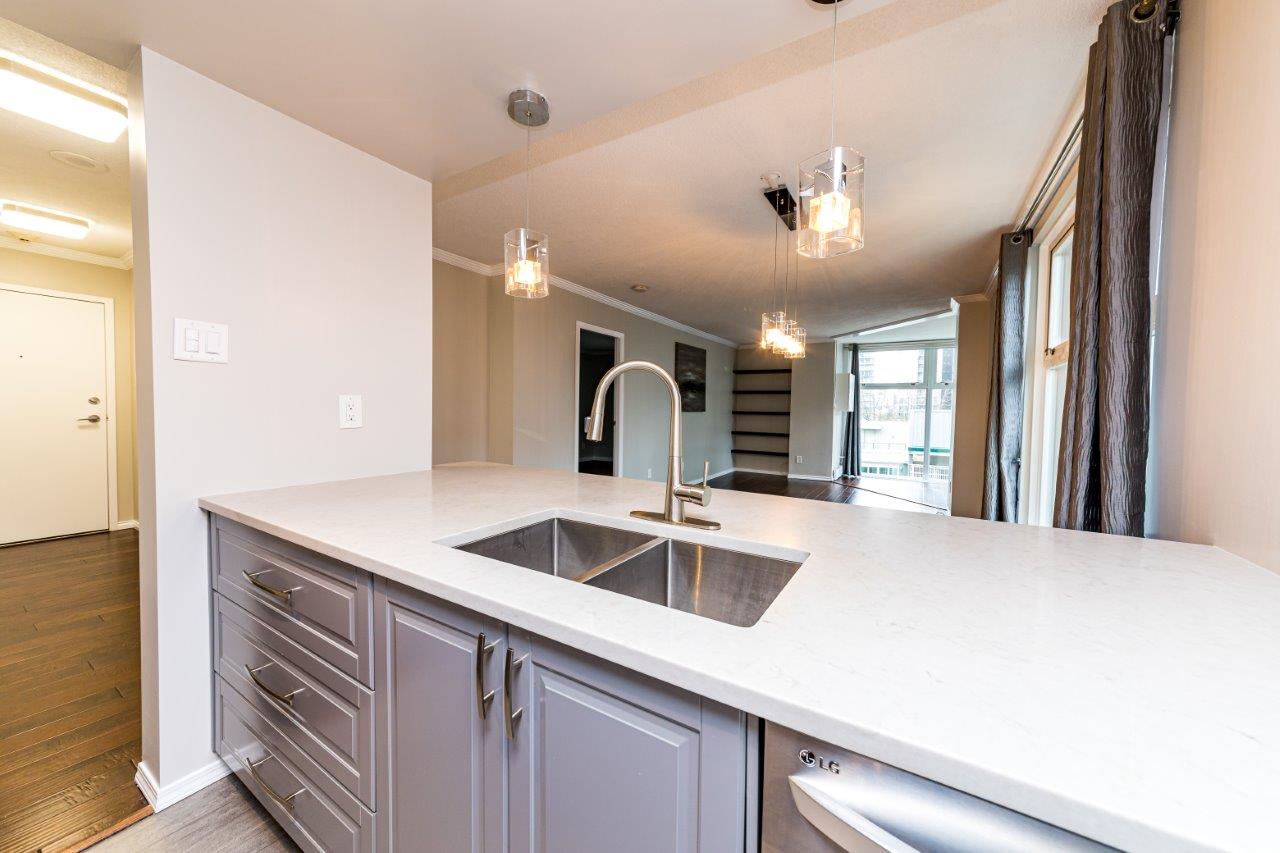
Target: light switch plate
350, 411
195, 340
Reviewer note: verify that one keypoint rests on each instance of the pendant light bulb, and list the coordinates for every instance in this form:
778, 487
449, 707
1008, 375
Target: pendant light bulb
526, 253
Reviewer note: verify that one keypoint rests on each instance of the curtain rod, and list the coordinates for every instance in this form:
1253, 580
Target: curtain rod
1049, 181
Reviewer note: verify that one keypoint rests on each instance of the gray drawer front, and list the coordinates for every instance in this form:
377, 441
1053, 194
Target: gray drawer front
323, 605
320, 815
324, 713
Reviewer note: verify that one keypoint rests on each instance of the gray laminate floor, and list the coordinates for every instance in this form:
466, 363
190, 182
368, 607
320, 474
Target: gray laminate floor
223, 818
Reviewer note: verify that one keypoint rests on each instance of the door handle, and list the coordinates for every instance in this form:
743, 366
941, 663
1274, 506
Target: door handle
483, 700
849, 829
508, 674
93, 419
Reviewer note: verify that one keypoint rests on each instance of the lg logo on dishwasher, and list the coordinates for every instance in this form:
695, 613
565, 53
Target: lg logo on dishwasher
809, 759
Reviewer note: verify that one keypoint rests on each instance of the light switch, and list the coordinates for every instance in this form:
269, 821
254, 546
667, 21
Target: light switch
195, 340
350, 411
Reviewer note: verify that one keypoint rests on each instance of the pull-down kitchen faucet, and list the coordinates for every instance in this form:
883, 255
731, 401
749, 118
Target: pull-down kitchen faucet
678, 491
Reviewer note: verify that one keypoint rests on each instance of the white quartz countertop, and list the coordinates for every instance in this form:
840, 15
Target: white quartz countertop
1126, 689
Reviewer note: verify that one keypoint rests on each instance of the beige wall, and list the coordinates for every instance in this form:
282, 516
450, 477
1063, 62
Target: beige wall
815, 426
523, 353
1216, 457
460, 370
318, 256
52, 273
543, 412
974, 335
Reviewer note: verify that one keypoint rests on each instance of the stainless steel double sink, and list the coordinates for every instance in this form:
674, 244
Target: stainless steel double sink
728, 586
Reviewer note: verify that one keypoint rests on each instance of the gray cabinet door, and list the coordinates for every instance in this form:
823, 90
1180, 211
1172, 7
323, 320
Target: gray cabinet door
601, 758
441, 765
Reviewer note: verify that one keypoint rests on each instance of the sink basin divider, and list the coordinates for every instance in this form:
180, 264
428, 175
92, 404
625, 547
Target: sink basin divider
597, 571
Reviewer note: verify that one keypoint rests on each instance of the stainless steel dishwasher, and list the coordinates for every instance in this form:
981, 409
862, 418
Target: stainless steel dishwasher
819, 798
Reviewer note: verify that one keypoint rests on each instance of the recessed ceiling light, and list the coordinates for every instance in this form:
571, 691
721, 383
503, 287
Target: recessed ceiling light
46, 95
28, 217
640, 288
79, 161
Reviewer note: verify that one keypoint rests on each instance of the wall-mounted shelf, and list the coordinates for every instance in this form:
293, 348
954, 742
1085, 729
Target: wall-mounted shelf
745, 412
774, 370
736, 391
762, 452
753, 432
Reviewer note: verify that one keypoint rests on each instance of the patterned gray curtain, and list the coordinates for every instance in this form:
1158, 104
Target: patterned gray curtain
1103, 455
1004, 414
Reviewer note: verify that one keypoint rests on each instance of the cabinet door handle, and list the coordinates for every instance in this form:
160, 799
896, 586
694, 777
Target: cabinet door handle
483, 700
285, 802
283, 698
508, 674
285, 595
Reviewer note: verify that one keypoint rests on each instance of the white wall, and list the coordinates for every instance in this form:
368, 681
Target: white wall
319, 258
1217, 457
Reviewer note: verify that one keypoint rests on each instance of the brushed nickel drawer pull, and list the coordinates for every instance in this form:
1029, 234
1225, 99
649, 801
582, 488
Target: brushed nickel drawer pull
483, 700
285, 802
283, 698
512, 717
285, 595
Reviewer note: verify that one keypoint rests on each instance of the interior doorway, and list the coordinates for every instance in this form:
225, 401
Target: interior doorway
597, 351
57, 442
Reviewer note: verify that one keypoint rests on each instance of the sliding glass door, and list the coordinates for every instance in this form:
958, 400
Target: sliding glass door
906, 400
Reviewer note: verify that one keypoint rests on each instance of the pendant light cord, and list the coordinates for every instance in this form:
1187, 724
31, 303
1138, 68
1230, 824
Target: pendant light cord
835, 13
528, 175
773, 280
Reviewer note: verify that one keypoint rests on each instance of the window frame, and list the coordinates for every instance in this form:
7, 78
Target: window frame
929, 384
1041, 360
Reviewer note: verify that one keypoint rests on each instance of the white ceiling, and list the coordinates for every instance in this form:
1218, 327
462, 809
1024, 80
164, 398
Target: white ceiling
29, 174
422, 84
955, 119
664, 114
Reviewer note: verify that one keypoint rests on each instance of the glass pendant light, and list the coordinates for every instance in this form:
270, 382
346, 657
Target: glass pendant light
830, 184
791, 345
526, 254
773, 323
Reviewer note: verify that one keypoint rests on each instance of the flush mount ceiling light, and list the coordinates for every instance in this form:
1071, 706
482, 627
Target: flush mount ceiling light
45, 95
831, 188
526, 254
28, 217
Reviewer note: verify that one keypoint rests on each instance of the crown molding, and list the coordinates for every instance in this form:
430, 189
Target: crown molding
7, 242
127, 259
573, 287
465, 263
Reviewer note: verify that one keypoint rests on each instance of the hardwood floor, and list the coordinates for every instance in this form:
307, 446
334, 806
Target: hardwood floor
222, 818
848, 490
70, 713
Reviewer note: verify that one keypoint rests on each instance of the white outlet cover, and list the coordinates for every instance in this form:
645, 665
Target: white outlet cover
350, 411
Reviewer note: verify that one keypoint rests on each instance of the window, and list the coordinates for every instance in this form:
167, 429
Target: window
905, 406
1051, 345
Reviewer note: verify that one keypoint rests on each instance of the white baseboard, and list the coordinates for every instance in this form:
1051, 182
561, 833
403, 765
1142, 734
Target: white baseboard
818, 477
127, 524
715, 474
196, 780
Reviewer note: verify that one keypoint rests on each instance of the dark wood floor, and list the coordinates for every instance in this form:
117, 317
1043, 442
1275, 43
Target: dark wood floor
70, 713
862, 491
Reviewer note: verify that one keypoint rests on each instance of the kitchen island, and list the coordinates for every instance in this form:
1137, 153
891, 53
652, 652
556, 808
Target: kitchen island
1123, 689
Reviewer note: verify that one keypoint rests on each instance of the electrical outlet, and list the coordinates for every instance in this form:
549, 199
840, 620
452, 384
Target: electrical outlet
799, 459
350, 411
649, 475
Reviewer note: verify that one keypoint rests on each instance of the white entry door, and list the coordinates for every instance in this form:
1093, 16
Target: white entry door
53, 416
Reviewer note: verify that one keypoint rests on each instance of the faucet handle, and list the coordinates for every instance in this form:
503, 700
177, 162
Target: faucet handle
697, 493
